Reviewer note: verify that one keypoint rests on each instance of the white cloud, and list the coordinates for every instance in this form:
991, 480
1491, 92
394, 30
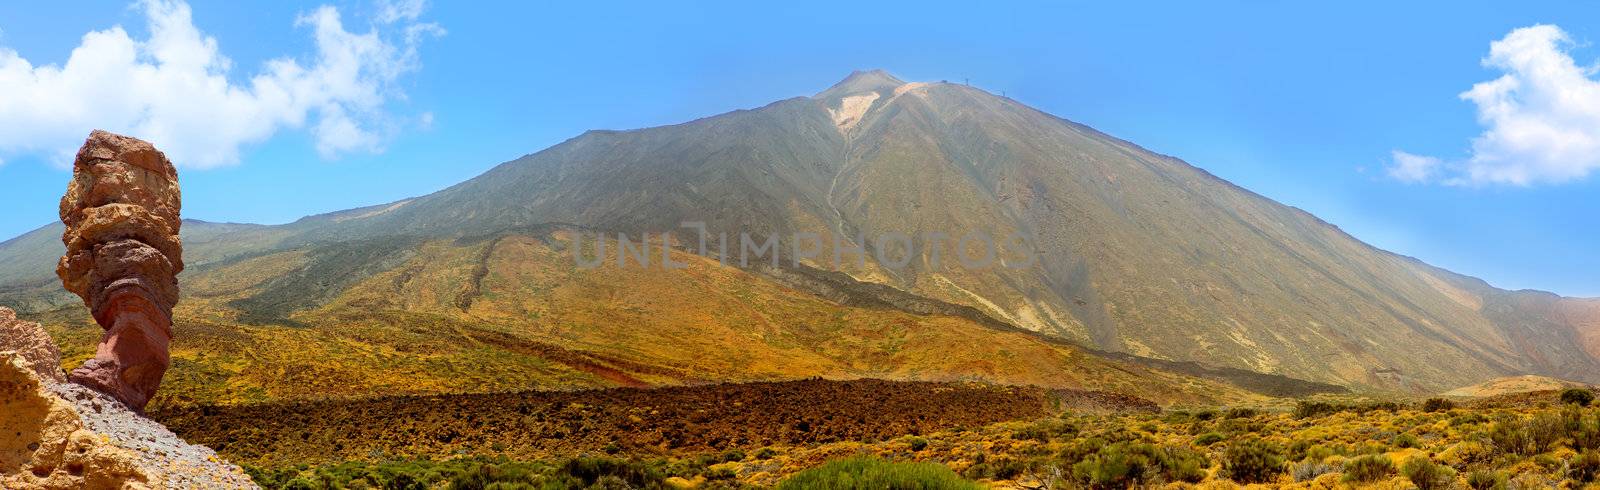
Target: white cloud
391, 11
1541, 118
173, 89
1413, 168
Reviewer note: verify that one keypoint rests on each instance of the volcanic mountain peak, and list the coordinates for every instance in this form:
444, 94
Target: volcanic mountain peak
860, 83
1139, 253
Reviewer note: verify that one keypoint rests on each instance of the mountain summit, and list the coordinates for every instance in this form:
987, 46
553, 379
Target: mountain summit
1138, 253
860, 83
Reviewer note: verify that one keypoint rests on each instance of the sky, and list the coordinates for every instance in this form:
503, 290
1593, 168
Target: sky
1466, 134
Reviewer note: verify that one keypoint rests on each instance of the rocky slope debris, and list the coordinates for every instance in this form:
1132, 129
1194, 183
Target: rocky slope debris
59, 435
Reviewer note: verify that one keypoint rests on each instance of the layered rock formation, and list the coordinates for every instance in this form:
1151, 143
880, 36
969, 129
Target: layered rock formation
58, 435
123, 257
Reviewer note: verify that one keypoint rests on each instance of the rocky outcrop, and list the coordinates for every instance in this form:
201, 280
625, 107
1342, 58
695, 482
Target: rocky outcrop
30, 342
58, 435
121, 212
83, 430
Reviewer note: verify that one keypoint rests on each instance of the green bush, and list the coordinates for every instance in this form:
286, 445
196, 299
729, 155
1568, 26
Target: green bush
1577, 396
1438, 405
592, 470
869, 473
917, 443
1467, 419
1406, 441
1426, 474
765, 453
1309, 409
1368, 469
1584, 468
996, 469
1252, 461
1045, 430
1486, 480
1241, 413
1208, 439
1513, 435
1309, 470
1126, 464
719, 474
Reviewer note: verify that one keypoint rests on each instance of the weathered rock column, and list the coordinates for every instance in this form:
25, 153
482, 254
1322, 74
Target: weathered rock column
123, 257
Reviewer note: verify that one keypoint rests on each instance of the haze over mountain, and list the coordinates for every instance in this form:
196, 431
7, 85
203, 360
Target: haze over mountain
1138, 253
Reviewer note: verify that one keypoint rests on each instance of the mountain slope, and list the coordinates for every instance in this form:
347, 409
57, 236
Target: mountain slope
1137, 252
511, 312
1140, 252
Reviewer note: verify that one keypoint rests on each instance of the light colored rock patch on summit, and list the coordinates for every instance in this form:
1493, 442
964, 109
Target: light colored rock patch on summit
851, 109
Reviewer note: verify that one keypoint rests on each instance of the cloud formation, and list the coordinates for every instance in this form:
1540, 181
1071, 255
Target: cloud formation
173, 88
1413, 168
1541, 118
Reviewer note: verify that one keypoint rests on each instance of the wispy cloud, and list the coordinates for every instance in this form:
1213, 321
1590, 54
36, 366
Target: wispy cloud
1413, 168
1541, 118
173, 88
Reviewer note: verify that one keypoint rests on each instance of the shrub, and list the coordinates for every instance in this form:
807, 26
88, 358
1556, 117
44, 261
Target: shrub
1406, 441
1512, 435
1185, 465
1466, 454
1240, 426
1126, 464
1577, 396
1320, 452
1467, 419
1587, 434
1584, 468
768, 453
1241, 413
1438, 405
1486, 480
591, 470
1208, 439
1368, 469
869, 473
1252, 461
1298, 450
1044, 430
1426, 474
1309, 409
917, 443
718, 473
1309, 470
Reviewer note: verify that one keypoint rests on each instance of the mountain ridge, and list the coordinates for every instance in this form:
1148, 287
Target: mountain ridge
1144, 253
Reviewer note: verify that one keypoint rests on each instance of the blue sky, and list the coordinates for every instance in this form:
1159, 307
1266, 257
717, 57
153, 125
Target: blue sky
1306, 104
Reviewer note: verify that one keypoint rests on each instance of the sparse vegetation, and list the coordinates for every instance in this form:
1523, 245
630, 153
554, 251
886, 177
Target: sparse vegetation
1532, 442
1438, 405
871, 474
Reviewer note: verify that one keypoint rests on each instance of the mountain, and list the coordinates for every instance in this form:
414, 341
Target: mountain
1138, 255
